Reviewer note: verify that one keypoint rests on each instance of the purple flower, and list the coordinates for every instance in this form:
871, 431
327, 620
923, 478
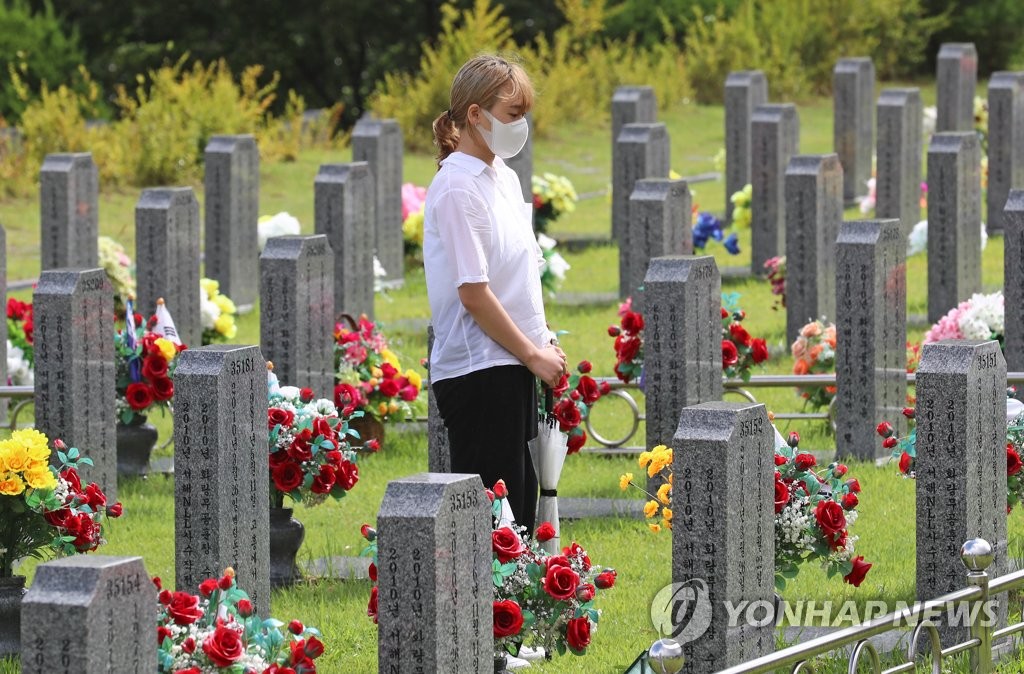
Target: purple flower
732, 244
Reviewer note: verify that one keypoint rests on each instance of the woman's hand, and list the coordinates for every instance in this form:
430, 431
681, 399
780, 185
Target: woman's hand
548, 365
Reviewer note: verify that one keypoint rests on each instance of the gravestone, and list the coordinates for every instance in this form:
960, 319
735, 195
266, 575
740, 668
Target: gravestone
744, 91
814, 211
682, 341
344, 208
73, 311
642, 152
960, 464
630, 105
378, 142
956, 79
853, 92
724, 538
69, 211
659, 225
898, 152
774, 138
297, 311
522, 163
1005, 143
439, 457
167, 256
954, 221
221, 507
434, 566
232, 194
1013, 281
89, 614
871, 333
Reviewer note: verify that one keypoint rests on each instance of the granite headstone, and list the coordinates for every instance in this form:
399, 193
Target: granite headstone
1013, 281
774, 138
871, 333
724, 534
630, 105
439, 457
954, 220
297, 311
853, 92
434, 566
1005, 143
167, 256
659, 225
378, 142
956, 78
89, 614
898, 151
221, 507
744, 91
814, 210
642, 152
69, 211
232, 202
344, 210
522, 163
73, 311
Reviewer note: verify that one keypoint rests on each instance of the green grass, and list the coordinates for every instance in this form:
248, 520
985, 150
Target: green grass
886, 524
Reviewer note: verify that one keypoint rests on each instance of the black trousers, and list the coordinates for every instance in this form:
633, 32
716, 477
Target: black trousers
491, 415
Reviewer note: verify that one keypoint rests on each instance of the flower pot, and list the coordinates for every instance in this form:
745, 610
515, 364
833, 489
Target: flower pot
286, 534
501, 664
11, 591
135, 443
369, 428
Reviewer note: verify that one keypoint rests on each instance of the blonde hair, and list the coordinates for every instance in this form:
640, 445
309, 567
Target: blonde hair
481, 80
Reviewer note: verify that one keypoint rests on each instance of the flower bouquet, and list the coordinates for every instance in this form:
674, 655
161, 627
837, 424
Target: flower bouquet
540, 600
217, 312
118, 266
981, 317
813, 511
414, 200
741, 206
219, 631
814, 352
45, 509
706, 226
281, 224
553, 195
629, 342
144, 360
740, 351
575, 394
20, 350
776, 268
552, 272
368, 376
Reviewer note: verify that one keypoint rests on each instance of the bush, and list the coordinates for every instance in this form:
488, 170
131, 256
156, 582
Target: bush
996, 27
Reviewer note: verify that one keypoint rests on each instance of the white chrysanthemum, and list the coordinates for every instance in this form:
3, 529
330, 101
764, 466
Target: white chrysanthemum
208, 310
558, 266
290, 393
18, 369
326, 407
917, 241
281, 224
546, 242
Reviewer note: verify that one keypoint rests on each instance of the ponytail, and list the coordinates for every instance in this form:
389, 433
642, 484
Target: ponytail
446, 136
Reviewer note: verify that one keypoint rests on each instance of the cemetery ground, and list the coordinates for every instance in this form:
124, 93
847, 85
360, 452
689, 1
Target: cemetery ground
643, 559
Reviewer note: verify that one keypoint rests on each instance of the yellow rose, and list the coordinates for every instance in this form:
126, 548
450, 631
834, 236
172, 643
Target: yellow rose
41, 478
656, 528
650, 508
167, 348
624, 481
665, 494
225, 304
414, 379
11, 484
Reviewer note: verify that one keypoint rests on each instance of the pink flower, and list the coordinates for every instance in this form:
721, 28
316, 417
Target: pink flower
413, 198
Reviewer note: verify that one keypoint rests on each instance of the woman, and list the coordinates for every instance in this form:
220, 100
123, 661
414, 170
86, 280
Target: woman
482, 263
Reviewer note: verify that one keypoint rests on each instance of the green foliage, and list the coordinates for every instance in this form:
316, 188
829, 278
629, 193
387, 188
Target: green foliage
996, 27
645, 18
40, 48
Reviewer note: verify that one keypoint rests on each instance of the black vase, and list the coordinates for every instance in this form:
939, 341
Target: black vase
11, 591
501, 664
286, 534
135, 443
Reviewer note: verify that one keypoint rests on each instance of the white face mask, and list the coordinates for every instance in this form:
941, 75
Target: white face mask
505, 140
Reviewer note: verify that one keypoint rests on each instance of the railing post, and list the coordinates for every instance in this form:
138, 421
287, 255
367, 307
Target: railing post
976, 555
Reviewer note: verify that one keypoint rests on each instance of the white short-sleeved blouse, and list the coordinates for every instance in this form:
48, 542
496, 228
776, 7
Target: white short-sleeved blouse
477, 228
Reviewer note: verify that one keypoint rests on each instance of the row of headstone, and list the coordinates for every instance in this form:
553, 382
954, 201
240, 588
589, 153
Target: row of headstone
639, 148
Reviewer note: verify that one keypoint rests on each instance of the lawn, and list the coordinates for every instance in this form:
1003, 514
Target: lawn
643, 560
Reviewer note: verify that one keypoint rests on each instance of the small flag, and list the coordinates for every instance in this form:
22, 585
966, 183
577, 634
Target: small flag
165, 324
134, 363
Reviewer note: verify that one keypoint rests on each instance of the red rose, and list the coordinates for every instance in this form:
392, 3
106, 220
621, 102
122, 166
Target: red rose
184, 608
508, 619
500, 490
545, 532
225, 582
207, 587
884, 429
162, 633
606, 579
729, 354
190, 670
577, 440
584, 367
334, 457
347, 475
115, 510
562, 387
781, 496
94, 497
627, 348
368, 532
244, 607
322, 428
890, 442
388, 370
324, 482
780, 460
839, 469
560, 582
588, 390
163, 389
506, 544
314, 648
614, 331
305, 394
567, 414
58, 518
794, 439
860, 569
632, 322
139, 396
348, 398
1013, 462
850, 501
372, 572
555, 560
854, 485
287, 477
576, 550
300, 449
577, 634
371, 607
164, 597
739, 334
805, 461
606, 388
759, 350
296, 628
279, 417
905, 461
154, 366
389, 388
830, 518
909, 412
224, 646
585, 592
408, 393
189, 645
